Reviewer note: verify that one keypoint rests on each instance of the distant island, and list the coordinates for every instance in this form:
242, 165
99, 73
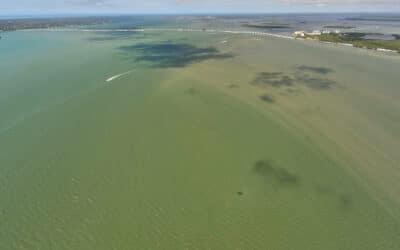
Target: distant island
338, 27
267, 25
375, 18
374, 41
46, 23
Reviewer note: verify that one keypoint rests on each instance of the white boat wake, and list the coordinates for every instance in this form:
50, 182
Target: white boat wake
118, 76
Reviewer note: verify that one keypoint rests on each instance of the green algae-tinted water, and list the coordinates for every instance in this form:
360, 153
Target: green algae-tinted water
175, 154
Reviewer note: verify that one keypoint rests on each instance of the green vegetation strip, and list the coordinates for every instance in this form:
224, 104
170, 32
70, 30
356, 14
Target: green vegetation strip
356, 39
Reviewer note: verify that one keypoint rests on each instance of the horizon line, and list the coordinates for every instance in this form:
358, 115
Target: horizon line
67, 13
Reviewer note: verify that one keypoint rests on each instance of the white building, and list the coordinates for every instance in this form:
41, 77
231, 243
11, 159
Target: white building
314, 33
300, 33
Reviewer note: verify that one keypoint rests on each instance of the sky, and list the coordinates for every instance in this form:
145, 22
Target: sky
9, 7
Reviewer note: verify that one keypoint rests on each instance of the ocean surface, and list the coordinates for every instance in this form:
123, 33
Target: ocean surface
168, 139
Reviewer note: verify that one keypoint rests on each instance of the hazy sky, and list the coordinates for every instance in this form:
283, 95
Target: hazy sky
190, 6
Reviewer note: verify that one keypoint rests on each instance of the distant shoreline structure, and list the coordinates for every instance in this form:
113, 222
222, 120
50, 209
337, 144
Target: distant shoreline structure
163, 29
298, 35
352, 39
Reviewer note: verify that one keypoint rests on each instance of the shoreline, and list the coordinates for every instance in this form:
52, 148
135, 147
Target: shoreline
347, 45
243, 32
163, 29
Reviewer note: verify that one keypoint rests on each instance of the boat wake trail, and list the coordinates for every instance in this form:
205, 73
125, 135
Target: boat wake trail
118, 76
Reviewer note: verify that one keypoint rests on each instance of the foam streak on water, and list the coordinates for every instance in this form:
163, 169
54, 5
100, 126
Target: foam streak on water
118, 76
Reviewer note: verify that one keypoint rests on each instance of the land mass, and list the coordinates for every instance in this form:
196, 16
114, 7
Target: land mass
338, 27
357, 40
267, 25
45, 23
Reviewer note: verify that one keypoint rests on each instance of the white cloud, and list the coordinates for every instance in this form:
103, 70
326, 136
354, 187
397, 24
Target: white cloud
341, 2
98, 3
173, 6
256, 3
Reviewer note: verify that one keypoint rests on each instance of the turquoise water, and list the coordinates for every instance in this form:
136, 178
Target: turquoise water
181, 153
